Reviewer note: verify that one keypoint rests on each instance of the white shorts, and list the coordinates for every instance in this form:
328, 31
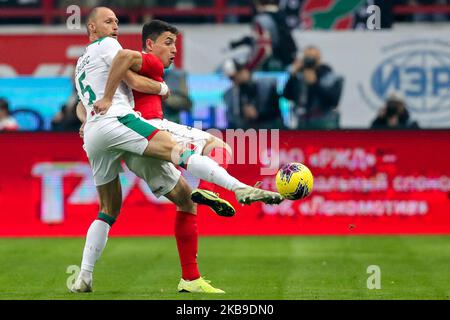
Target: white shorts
107, 138
161, 176
190, 137
108, 141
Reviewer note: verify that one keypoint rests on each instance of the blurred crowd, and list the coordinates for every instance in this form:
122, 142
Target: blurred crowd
313, 88
7, 121
291, 8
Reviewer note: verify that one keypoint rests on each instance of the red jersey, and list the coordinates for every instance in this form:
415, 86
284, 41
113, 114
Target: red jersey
149, 105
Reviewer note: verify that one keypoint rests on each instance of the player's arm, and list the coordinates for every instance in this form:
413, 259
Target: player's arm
124, 60
81, 114
143, 84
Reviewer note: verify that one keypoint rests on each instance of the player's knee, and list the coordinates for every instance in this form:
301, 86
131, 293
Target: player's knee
162, 146
219, 151
227, 147
171, 149
213, 143
184, 203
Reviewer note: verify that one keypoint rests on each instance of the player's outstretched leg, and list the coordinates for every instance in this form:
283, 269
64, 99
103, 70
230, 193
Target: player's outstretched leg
221, 153
207, 169
162, 146
248, 195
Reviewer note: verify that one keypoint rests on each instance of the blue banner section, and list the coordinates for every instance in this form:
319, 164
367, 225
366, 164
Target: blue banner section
35, 101
207, 91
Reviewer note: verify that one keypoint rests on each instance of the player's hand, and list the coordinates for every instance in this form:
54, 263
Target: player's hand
166, 96
101, 106
82, 130
250, 112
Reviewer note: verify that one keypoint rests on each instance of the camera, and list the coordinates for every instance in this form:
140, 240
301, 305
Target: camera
309, 63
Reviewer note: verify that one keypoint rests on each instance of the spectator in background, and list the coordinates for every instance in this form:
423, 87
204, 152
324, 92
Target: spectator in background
66, 119
272, 45
7, 122
135, 5
291, 11
429, 17
85, 4
315, 91
179, 99
394, 115
250, 103
235, 18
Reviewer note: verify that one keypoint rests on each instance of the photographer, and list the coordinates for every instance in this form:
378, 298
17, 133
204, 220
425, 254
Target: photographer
272, 45
315, 90
394, 115
251, 103
7, 122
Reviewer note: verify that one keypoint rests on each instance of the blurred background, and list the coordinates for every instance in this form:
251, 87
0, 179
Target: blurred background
359, 88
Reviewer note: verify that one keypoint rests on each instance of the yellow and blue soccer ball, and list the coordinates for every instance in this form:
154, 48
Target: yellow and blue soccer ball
294, 181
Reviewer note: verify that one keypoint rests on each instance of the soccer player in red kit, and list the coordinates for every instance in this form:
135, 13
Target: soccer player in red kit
158, 40
193, 147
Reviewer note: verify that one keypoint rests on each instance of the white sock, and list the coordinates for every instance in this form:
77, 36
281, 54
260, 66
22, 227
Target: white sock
96, 239
205, 168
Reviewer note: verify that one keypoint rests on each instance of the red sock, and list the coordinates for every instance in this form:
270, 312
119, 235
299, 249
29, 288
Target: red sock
222, 157
186, 234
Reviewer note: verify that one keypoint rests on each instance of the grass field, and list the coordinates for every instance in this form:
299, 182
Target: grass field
245, 267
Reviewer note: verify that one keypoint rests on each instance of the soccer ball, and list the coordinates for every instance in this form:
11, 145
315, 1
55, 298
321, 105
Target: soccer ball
294, 181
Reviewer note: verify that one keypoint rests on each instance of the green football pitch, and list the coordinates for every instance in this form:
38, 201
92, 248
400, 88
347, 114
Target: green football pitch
280, 268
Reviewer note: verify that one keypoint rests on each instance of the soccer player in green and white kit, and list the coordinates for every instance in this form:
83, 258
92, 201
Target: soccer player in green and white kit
111, 135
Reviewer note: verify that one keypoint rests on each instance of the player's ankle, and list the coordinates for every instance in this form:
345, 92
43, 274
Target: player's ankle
189, 279
86, 274
238, 186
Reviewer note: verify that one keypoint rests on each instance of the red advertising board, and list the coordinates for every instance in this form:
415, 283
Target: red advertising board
47, 55
366, 182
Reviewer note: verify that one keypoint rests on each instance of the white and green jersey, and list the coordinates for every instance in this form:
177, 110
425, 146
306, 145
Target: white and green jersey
91, 74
